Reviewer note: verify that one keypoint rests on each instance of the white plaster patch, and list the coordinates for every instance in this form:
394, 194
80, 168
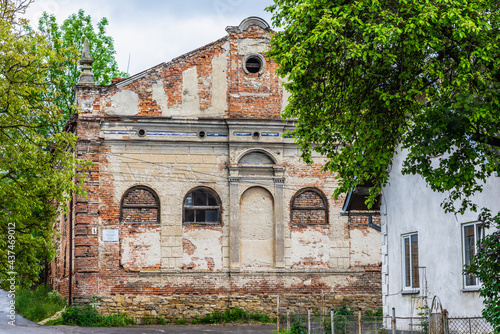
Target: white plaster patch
252, 45
141, 251
257, 253
310, 248
190, 98
365, 247
219, 85
208, 252
161, 97
125, 102
257, 229
286, 95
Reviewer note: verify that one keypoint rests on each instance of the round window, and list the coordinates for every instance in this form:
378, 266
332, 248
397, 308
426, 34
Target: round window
254, 63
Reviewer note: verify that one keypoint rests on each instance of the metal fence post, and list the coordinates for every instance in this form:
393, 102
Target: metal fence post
287, 319
393, 322
360, 322
278, 312
308, 321
331, 322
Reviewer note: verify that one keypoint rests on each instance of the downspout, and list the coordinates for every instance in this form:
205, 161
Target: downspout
70, 283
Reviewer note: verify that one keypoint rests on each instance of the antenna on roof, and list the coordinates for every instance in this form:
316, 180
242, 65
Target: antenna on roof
128, 65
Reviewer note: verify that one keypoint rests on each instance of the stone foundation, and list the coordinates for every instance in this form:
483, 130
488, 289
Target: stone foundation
191, 307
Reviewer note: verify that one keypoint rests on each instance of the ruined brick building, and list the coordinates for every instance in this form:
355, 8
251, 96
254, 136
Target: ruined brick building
197, 199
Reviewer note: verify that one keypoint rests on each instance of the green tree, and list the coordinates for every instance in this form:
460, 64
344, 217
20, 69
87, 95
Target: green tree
367, 77
36, 160
67, 40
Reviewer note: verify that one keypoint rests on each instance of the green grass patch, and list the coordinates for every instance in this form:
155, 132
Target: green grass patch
88, 316
235, 315
38, 304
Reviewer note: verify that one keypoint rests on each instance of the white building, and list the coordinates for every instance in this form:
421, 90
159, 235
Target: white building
424, 250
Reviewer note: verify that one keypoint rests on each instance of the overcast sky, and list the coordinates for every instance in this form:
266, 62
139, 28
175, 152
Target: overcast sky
155, 31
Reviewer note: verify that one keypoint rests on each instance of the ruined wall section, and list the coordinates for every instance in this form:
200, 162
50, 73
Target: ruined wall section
252, 95
192, 85
87, 217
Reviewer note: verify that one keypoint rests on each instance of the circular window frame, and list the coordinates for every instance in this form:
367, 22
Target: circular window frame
142, 133
261, 60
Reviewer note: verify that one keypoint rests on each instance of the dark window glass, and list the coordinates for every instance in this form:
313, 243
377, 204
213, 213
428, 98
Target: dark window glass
201, 206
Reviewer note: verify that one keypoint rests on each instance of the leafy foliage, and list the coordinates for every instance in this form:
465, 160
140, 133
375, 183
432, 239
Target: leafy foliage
88, 316
486, 266
38, 304
368, 77
67, 40
37, 165
232, 315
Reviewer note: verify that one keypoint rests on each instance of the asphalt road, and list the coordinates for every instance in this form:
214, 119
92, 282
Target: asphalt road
11, 323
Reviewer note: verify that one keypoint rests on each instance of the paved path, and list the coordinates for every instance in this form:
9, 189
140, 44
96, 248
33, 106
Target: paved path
24, 326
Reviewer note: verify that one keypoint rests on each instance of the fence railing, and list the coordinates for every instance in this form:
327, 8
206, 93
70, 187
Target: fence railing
453, 325
312, 323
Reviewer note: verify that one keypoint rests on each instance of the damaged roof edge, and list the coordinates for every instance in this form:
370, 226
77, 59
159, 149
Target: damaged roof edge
142, 74
252, 20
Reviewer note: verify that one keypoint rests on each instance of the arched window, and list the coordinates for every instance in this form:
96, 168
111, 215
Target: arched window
202, 206
309, 207
256, 157
140, 205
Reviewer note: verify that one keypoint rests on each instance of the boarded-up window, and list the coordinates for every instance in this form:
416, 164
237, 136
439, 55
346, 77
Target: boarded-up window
140, 205
202, 206
309, 208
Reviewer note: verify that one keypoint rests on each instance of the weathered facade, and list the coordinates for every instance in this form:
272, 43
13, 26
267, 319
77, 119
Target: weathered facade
197, 199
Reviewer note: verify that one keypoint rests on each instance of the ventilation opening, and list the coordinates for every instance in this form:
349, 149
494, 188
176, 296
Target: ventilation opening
256, 135
253, 65
141, 133
201, 134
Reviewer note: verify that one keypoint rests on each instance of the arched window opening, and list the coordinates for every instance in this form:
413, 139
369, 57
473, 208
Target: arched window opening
309, 207
140, 205
201, 206
257, 158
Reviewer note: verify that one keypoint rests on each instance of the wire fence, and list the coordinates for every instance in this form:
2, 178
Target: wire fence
311, 323
475, 325
322, 324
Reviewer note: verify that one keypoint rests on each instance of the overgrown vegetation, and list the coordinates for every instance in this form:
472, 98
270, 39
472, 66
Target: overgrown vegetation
235, 315
88, 316
38, 304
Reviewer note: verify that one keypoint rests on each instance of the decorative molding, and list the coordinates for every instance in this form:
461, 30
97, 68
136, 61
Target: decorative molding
279, 180
234, 179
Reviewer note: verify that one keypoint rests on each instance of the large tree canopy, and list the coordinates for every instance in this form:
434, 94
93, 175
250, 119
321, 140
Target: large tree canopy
36, 160
367, 77
67, 40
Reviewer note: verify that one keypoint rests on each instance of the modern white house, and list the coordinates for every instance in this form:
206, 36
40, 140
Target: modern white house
424, 249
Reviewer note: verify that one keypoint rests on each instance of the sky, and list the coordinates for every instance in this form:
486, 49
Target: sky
156, 31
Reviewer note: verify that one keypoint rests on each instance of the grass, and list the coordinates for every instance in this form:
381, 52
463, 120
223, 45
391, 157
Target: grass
38, 304
235, 315
88, 316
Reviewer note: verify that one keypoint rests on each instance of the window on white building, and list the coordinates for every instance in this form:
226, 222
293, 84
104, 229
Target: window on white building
471, 234
410, 261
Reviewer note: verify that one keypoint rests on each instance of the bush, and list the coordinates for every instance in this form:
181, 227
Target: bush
232, 315
88, 316
38, 304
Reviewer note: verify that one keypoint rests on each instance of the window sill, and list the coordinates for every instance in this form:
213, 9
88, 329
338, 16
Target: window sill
410, 292
471, 289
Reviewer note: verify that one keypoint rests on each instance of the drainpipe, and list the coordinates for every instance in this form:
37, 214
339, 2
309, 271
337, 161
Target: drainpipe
70, 283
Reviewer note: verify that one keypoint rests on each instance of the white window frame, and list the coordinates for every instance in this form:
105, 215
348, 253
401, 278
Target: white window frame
478, 234
409, 288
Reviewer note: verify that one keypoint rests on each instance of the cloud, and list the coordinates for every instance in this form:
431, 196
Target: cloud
153, 32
